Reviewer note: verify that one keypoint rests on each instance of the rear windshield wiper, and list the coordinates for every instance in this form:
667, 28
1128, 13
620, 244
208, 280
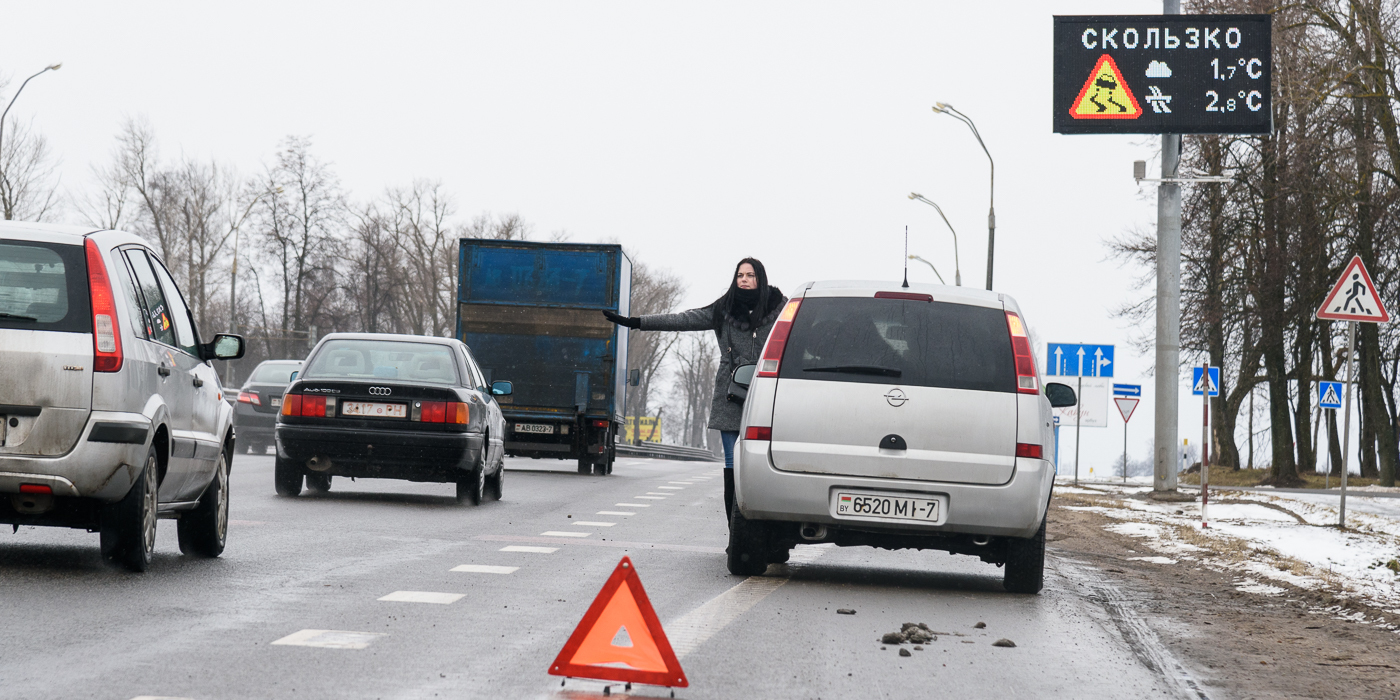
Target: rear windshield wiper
857, 369
17, 317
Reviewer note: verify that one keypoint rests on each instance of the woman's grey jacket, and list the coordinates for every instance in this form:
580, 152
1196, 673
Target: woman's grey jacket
738, 346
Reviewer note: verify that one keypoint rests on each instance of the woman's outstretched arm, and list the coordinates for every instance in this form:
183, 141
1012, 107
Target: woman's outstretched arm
702, 319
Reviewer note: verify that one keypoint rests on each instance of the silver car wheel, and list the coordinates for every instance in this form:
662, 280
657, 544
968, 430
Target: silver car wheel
149, 507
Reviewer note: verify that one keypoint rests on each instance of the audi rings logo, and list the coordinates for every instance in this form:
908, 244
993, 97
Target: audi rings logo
380, 391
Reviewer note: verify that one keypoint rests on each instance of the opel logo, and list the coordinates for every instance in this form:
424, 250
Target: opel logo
385, 391
896, 397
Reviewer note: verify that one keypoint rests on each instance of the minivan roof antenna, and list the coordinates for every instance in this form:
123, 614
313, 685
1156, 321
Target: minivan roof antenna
906, 257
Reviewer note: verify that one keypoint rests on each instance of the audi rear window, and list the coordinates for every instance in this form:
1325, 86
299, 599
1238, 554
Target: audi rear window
383, 359
43, 286
900, 342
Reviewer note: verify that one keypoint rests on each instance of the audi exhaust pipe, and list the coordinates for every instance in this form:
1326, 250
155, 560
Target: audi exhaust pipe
319, 463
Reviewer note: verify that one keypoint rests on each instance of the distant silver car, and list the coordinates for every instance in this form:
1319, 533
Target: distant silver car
897, 417
110, 414
259, 401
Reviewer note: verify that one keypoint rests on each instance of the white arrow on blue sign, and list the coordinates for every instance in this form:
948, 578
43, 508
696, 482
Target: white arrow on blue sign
1127, 390
1197, 386
1077, 360
1329, 395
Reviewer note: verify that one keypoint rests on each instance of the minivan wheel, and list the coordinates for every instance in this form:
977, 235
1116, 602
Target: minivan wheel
204, 530
318, 483
287, 476
128, 527
1025, 563
748, 546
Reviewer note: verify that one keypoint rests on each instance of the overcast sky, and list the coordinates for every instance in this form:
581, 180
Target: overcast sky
693, 133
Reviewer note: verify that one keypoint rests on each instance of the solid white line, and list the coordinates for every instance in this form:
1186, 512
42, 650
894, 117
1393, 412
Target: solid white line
485, 569
330, 639
531, 550
613, 512
587, 523
633, 505
423, 597
561, 533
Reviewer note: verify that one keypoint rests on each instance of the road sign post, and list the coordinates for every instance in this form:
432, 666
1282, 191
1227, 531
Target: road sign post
1126, 405
1329, 398
1352, 299
1079, 360
1205, 382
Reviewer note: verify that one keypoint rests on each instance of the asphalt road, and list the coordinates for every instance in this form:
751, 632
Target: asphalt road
71, 628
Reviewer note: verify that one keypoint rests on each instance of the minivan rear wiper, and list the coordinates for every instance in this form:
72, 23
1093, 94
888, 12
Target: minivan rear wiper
856, 369
17, 317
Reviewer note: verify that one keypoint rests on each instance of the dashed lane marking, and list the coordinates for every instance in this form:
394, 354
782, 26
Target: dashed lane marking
600, 543
530, 550
651, 498
687, 483
560, 533
633, 505
672, 488
591, 523
330, 639
613, 512
423, 597
655, 494
159, 697
485, 569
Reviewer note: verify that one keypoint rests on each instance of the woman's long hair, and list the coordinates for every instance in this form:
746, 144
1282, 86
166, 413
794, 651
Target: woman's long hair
725, 305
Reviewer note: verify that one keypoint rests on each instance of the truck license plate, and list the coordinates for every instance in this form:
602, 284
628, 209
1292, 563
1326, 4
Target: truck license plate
883, 507
373, 410
541, 428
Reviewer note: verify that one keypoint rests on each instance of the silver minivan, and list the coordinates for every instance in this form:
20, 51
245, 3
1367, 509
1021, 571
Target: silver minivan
110, 414
897, 417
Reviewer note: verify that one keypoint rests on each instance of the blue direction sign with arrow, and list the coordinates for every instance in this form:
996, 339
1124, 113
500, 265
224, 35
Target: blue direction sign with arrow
1078, 360
1329, 395
1127, 390
1197, 386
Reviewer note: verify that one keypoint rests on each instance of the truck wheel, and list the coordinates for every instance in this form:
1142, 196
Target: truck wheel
128, 527
748, 546
317, 482
286, 476
1025, 563
204, 530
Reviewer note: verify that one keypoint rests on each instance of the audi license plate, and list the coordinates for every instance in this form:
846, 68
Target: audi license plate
373, 410
884, 507
541, 428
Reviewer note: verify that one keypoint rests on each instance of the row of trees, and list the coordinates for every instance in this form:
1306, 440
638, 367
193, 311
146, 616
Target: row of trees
1259, 254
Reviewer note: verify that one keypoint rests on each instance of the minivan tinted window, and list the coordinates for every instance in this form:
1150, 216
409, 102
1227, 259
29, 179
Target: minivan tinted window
896, 341
43, 286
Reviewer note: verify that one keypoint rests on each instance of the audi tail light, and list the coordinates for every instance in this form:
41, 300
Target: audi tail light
291, 405
758, 432
1026, 382
442, 412
313, 406
106, 335
1024, 449
777, 340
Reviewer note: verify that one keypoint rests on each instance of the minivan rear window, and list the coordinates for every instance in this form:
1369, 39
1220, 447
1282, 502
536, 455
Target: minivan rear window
43, 286
895, 341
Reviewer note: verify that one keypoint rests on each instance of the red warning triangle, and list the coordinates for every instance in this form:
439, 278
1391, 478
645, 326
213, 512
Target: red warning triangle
1354, 298
1105, 94
620, 639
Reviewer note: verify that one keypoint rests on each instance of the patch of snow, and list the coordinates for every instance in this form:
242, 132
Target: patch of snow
1153, 560
1135, 529
1251, 586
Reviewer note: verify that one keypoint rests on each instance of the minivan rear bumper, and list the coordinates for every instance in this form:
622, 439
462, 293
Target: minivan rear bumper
1013, 509
103, 463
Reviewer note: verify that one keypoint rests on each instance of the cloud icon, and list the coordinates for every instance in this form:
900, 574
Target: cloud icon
1158, 69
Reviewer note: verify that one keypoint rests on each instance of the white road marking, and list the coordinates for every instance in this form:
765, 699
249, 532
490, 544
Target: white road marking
633, 505
423, 597
654, 494
613, 512
672, 488
531, 550
330, 639
485, 569
561, 533
589, 523
159, 697
687, 483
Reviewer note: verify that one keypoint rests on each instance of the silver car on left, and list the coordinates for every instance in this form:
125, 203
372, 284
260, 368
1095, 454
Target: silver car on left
111, 416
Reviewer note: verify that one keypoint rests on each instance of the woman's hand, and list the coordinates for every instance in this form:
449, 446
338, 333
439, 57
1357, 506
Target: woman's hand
619, 319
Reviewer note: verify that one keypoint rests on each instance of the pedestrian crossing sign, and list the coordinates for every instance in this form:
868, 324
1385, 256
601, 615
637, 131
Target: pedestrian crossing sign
1209, 384
1105, 94
1329, 395
1354, 297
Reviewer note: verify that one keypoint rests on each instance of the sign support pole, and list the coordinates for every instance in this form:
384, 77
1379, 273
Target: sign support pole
1078, 416
1125, 451
1205, 442
1168, 358
1346, 422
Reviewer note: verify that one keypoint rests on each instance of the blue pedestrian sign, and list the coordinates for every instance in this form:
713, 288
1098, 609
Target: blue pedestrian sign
1198, 387
1076, 360
1127, 390
1329, 395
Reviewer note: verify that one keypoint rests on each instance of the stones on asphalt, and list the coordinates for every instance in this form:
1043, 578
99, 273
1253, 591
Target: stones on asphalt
1004, 643
918, 648
915, 633
845, 611
980, 626
892, 638
904, 652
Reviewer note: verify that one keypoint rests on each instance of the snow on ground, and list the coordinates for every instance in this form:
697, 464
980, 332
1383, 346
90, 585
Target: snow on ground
1259, 536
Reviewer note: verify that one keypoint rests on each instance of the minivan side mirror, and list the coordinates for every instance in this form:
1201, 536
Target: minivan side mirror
1060, 395
225, 346
743, 374
502, 388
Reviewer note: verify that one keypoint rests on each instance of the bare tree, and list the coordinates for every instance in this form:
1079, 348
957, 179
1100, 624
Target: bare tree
653, 292
28, 177
696, 361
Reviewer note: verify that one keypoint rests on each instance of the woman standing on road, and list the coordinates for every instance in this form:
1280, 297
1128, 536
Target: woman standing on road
741, 320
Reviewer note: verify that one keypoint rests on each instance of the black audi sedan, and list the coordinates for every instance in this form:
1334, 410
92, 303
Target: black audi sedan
375, 405
259, 401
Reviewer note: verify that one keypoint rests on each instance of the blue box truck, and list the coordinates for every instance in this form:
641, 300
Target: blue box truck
531, 314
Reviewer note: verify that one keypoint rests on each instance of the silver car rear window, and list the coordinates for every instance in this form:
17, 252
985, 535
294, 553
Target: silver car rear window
43, 286
383, 359
897, 341
270, 373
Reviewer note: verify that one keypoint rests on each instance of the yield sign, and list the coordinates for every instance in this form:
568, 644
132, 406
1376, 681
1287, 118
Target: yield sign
1354, 297
1126, 407
620, 639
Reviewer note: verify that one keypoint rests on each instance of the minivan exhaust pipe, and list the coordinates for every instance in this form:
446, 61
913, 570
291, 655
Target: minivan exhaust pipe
319, 463
981, 540
810, 531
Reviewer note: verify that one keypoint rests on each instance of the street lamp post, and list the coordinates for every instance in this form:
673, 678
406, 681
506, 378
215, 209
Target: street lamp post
945, 108
957, 265
6, 113
930, 266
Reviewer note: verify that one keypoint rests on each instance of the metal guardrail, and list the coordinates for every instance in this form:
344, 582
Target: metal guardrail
660, 451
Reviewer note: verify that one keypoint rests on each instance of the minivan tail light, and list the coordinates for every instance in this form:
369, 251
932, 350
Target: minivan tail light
1024, 449
758, 432
777, 340
106, 338
291, 405
1026, 382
